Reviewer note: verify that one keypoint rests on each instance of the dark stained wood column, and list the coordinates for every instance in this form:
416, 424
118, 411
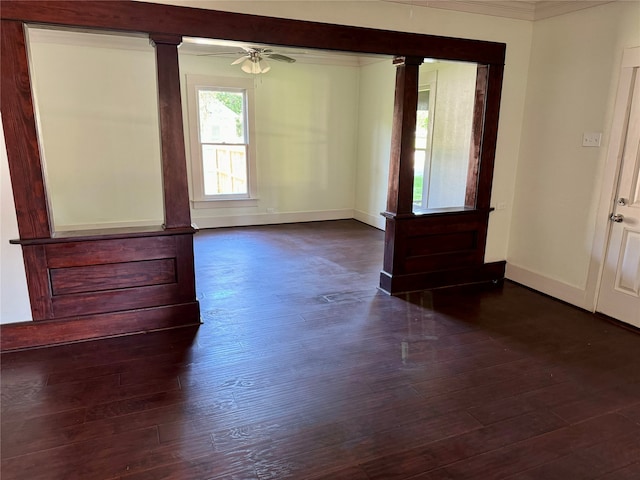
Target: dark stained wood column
174, 162
441, 247
477, 130
493, 78
21, 135
400, 190
400, 186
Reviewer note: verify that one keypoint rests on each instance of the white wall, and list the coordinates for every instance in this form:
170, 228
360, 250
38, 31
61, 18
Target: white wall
573, 76
14, 298
452, 124
306, 123
98, 120
377, 88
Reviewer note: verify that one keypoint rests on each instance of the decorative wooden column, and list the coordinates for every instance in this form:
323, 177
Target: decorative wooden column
21, 134
105, 282
403, 134
442, 247
400, 189
174, 162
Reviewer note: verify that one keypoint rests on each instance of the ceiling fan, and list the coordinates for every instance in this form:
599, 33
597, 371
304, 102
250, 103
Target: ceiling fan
253, 59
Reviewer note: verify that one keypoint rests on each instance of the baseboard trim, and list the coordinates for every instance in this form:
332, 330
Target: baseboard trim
23, 335
272, 218
549, 286
377, 221
107, 225
397, 284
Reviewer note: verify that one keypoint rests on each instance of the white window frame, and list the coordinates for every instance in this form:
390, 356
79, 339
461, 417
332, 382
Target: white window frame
428, 81
195, 83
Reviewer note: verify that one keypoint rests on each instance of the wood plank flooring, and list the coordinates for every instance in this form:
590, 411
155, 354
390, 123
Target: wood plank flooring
303, 370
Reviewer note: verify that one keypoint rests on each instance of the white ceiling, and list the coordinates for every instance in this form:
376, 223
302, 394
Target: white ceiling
520, 9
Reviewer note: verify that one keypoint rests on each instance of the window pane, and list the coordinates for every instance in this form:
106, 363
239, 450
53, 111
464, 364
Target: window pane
224, 169
221, 116
419, 174
422, 120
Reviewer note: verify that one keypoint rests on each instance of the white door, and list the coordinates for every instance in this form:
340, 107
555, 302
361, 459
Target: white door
619, 295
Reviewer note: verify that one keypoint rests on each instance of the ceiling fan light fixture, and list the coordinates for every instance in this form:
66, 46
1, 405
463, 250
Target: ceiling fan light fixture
255, 66
264, 66
247, 66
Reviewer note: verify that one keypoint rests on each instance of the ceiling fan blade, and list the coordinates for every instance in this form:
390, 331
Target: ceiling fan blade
279, 58
239, 60
219, 54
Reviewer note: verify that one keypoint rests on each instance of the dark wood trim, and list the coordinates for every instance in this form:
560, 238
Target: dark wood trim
126, 299
174, 160
18, 120
489, 135
416, 246
393, 246
96, 278
477, 130
35, 262
142, 17
15, 336
400, 185
185, 268
109, 251
105, 234
72, 279
397, 284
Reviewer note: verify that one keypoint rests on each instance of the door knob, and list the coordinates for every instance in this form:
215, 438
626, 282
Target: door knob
616, 217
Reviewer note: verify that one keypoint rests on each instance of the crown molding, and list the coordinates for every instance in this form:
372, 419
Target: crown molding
522, 10
518, 9
548, 9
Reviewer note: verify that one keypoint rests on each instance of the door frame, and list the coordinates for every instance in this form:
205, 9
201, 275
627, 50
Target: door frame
611, 172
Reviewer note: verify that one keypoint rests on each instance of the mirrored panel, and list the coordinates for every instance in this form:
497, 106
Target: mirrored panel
97, 116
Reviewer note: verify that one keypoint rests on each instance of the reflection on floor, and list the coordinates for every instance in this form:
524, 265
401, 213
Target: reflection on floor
303, 370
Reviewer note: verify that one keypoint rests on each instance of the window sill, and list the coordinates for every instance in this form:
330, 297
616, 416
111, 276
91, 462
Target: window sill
237, 203
431, 211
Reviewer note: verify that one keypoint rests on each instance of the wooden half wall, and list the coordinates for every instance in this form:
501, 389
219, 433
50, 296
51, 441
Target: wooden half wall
103, 283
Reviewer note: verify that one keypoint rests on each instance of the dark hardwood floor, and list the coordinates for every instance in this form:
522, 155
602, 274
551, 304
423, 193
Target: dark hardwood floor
303, 370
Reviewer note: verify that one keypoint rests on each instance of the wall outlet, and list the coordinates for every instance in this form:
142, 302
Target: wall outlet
591, 139
501, 206
271, 210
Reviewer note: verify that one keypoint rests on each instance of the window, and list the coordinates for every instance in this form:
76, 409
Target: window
222, 153
424, 141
